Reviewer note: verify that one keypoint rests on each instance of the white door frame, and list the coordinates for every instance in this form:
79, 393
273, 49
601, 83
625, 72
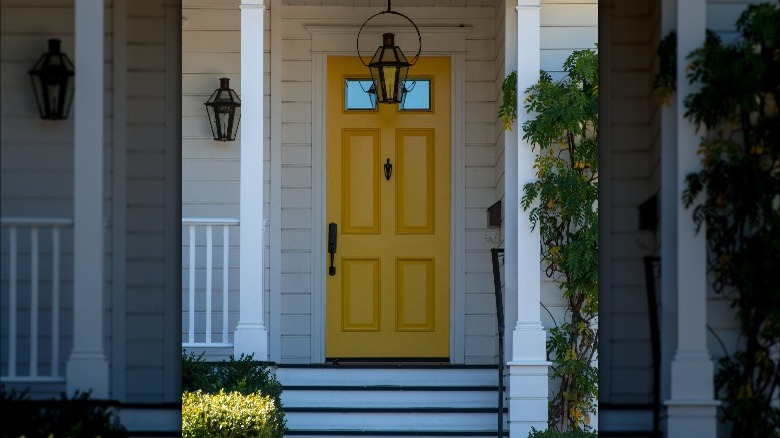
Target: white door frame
439, 41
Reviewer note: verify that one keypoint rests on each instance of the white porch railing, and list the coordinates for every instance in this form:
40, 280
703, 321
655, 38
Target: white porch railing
198, 330
16, 248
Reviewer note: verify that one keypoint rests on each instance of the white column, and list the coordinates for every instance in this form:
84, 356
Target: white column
251, 335
528, 380
668, 231
692, 408
87, 366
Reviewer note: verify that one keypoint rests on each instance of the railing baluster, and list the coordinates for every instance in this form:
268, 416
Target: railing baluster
55, 301
210, 329
225, 271
209, 263
12, 303
34, 301
32, 363
192, 286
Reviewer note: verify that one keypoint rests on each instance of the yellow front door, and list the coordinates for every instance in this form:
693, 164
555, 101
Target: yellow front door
389, 295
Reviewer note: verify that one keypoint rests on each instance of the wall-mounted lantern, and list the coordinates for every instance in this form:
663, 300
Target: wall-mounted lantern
224, 110
494, 215
52, 79
389, 67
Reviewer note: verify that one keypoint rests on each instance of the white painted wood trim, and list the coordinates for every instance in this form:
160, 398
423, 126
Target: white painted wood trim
209, 221
529, 335
528, 367
12, 302
605, 195
319, 131
511, 199
275, 264
55, 303
334, 40
251, 334
319, 149
692, 407
669, 205
87, 366
458, 210
34, 308
119, 199
172, 187
17, 221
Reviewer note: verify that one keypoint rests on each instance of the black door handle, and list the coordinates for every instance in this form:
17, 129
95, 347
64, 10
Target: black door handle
388, 169
332, 246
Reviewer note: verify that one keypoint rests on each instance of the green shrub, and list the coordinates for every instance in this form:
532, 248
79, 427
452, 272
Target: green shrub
230, 414
67, 417
557, 434
195, 372
244, 375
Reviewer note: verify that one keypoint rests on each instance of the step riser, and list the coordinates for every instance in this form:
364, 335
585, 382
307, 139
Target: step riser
372, 377
383, 401
482, 434
390, 421
389, 399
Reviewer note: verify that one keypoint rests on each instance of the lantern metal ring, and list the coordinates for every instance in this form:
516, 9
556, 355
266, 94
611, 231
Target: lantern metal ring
389, 66
389, 11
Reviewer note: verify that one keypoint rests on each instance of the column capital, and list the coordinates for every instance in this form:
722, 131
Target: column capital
528, 4
252, 4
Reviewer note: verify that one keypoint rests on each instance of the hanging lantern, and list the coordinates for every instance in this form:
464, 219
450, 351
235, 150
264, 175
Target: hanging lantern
389, 67
52, 79
224, 110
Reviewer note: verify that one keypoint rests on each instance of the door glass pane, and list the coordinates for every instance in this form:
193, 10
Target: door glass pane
356, 95
417, 96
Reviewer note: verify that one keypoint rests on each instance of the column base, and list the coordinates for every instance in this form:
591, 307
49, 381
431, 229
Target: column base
87, 371
529, 343
689, 418
528, 392
692, 410
251, 339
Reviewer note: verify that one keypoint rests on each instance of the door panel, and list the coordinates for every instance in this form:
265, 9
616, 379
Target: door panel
360, 295
415, 295
416, 184
360, 181
390, 295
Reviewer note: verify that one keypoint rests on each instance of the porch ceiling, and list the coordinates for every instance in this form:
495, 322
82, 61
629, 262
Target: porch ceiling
396, 3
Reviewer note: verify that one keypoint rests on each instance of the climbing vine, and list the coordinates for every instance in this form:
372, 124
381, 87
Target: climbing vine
562, 202
736, 197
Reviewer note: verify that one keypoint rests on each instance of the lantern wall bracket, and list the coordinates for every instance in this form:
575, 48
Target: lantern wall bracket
390, 11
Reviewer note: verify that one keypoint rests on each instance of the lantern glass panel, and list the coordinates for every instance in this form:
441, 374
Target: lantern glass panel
356, 95
417, 95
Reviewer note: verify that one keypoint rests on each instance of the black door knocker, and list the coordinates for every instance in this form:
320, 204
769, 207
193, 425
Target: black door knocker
388, 170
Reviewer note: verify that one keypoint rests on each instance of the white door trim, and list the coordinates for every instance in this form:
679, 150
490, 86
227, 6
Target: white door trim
438, 41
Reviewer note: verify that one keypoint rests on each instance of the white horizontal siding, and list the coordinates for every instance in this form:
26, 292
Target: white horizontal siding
145, 200
565, 27
633, 108
211, 45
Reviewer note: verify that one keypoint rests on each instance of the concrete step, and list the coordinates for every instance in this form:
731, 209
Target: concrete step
390, 400
398, 420
390, 396
387, 375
